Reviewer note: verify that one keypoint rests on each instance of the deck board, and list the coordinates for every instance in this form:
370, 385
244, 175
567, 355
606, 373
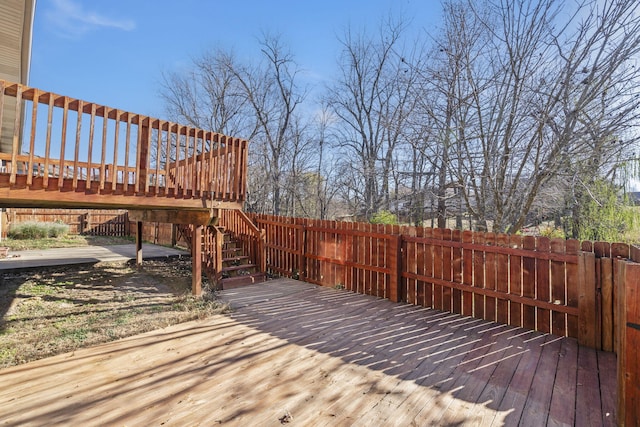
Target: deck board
316, 356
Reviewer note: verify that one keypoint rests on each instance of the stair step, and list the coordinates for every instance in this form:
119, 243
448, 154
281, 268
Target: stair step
236, 258
233, 268
238, 281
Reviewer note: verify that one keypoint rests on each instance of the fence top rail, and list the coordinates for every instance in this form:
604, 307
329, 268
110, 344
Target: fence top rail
360, 233
492, 248
280, 224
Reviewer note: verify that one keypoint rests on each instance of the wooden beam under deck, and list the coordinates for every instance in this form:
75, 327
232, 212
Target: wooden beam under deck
174, 216
27, 198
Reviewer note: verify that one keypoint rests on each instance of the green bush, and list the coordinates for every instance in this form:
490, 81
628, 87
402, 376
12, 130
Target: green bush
384, 217
37, 230
552, 232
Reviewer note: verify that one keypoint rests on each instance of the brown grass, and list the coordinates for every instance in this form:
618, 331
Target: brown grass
59, 309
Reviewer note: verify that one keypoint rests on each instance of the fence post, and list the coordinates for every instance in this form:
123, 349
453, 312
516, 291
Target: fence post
395, 265
262, 250
144, 141
587, 325
628, 344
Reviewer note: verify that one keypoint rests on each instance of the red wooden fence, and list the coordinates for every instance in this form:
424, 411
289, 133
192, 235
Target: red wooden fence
80, 221
93, 222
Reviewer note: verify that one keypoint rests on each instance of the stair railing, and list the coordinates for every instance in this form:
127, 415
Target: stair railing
212, 242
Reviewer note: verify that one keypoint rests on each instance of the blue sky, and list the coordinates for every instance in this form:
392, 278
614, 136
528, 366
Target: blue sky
114, 52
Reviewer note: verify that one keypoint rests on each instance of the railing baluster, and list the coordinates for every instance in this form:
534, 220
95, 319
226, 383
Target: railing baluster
32, 139
167, 159
145, 153
158, 157
45, 180
125, 180
76, 153
245, 163
63, 139
103, 152
216, 172
208, 179
194, 164
223, 169
92, 124
185, 172
236, 165
138, 155
114, 173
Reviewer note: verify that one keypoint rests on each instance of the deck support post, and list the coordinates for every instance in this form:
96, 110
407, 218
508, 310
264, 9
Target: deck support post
139, 243
196, 260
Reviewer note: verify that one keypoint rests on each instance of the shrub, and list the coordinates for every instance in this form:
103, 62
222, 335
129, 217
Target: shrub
552, 232
37, 230
384, 217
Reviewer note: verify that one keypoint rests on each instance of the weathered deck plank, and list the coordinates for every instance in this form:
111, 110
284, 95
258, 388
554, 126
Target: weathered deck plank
314, 356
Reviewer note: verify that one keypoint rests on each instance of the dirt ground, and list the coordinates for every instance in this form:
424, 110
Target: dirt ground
59, 309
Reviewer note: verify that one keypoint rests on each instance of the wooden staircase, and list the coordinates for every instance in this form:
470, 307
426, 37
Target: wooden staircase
237, 267
230, 258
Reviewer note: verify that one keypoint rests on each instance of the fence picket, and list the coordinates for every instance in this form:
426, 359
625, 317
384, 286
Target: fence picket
558, 284
543, 287
502, 279
515, 282
478, 276
529, 282
490, 278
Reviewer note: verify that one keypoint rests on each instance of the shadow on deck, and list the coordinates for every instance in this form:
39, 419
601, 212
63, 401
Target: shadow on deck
298, 353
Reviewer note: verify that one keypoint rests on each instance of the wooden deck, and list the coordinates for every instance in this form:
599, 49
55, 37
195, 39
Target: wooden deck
305, 355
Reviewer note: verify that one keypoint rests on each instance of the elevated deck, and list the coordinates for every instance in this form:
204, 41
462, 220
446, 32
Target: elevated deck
68, 153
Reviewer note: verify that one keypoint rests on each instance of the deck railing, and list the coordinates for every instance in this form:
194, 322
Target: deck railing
58, 142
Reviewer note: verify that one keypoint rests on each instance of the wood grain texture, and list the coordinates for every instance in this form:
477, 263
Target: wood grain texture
322, 356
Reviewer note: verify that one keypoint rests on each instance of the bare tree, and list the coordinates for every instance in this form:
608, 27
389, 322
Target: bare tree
209, 96
272, 91
545, 95
371, 100
255, 100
